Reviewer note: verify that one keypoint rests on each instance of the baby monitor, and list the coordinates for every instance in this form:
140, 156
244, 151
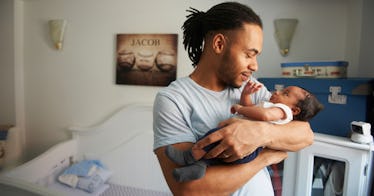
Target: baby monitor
361, 132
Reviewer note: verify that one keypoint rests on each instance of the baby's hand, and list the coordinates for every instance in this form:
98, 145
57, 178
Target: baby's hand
251, 87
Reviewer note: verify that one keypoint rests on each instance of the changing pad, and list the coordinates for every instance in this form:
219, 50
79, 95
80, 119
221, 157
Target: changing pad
77, 192
118, 190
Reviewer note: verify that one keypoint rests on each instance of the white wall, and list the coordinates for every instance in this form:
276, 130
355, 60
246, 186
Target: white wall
76, 86
7, 110
320, 35
366, 64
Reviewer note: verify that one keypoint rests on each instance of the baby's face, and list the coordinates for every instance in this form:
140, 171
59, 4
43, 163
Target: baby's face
289, 96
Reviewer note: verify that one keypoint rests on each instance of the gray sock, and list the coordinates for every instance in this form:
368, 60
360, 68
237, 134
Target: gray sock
178, 156
190, 172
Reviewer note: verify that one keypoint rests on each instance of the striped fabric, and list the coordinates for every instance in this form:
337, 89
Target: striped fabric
118, 190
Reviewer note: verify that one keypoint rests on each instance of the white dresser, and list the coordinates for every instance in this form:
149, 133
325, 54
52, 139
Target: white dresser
331, 166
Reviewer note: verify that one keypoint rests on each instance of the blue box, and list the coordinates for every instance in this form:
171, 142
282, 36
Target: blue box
344, 100
322, 69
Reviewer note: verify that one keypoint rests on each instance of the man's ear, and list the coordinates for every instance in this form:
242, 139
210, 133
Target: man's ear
295, 110
219, 42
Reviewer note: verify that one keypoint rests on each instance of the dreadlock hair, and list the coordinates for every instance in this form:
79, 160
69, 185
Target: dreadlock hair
224, 16
310, 106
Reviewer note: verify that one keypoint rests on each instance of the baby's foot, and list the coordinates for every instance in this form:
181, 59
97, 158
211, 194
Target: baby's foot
191, 172
178, 156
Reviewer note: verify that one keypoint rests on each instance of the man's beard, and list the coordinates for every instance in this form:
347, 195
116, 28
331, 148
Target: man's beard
230, 82
234, 86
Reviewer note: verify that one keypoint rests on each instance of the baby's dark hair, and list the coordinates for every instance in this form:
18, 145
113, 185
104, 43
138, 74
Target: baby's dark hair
310, 106
224, 16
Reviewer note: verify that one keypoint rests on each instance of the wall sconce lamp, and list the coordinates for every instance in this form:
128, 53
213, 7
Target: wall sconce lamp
284, 30
57, 30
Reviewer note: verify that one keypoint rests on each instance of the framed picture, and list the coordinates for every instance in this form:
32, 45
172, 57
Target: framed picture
146, 59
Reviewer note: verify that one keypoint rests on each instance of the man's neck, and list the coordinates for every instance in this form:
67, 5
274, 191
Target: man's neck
207, 79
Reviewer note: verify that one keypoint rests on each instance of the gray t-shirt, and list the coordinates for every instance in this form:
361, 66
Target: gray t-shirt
184, 111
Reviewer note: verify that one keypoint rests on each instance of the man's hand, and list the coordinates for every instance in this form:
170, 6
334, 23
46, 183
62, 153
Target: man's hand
238, 138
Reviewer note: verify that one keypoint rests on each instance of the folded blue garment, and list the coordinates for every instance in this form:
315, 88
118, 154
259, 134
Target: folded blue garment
88, 175
92, 183
83, 168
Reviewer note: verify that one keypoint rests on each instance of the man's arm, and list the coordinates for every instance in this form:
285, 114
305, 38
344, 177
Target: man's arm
292, 136
240, 137
215, 180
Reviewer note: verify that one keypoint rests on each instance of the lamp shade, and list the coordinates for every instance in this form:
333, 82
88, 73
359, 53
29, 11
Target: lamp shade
56, 31
284, 31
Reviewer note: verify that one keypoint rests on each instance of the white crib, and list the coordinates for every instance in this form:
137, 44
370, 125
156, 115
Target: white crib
123, 143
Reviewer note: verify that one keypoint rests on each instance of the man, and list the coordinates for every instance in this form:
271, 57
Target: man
223, 44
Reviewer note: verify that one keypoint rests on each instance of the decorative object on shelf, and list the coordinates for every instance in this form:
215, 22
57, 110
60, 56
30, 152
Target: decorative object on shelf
316, 69
57, 31
284, 31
